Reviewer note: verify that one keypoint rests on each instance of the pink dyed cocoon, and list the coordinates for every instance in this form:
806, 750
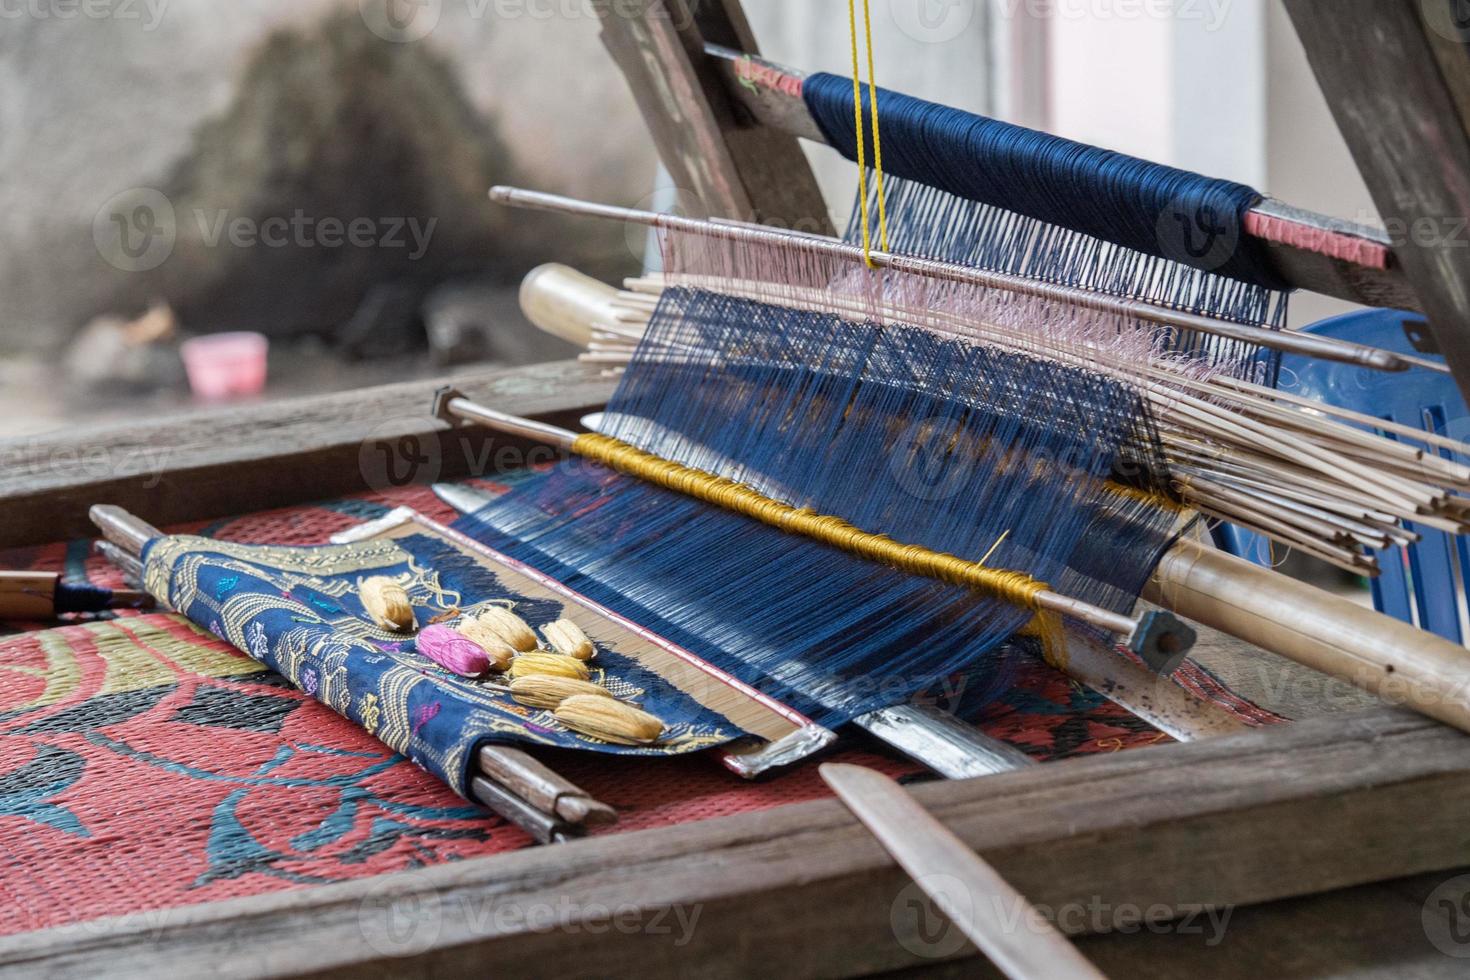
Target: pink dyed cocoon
454, 652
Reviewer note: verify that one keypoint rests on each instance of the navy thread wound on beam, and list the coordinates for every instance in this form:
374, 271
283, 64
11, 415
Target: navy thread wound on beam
1149, 208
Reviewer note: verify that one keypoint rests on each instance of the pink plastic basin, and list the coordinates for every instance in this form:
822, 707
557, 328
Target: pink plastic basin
226, 365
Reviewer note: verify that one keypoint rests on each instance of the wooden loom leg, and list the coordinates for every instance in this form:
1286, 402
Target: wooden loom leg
735, 167
1397, 76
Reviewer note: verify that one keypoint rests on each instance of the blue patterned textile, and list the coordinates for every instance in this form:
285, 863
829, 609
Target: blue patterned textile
297, 611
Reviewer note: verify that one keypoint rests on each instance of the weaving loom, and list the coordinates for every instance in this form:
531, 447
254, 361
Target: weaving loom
1075, 382
842, 481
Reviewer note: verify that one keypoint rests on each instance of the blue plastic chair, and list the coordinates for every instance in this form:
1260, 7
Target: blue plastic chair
1423, 583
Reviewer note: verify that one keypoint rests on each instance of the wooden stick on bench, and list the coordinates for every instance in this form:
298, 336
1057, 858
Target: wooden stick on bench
986, 908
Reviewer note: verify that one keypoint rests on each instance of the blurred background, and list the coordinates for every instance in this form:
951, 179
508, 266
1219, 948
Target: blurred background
314, 171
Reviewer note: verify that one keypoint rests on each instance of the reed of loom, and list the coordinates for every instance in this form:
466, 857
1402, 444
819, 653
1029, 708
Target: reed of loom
1308, 345
514, 785
1306, 624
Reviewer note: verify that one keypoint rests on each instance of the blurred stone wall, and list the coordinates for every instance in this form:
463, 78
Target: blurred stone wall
261, 163
286, 165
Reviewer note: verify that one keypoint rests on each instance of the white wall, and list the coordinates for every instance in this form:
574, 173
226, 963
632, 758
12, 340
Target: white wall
1219, 90
1111, 80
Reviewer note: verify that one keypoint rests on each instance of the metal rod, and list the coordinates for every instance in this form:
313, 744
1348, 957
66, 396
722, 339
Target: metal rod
468, 411
1307, 345
131, 567
1158, 637
128, 533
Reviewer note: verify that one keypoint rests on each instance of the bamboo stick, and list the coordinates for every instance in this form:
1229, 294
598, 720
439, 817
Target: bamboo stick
1347, 414
1363, 525
1328, 633
1348, 560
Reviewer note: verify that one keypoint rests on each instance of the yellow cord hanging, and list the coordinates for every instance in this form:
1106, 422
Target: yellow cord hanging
857, 114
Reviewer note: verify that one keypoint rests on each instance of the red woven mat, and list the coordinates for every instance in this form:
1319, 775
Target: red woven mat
145, 764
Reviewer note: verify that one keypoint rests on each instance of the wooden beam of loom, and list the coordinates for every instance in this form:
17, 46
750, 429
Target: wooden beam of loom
248, 458
1397, 76
1273, 813
715, 150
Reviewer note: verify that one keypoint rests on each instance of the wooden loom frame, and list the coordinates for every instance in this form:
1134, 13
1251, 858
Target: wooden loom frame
1329, 803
